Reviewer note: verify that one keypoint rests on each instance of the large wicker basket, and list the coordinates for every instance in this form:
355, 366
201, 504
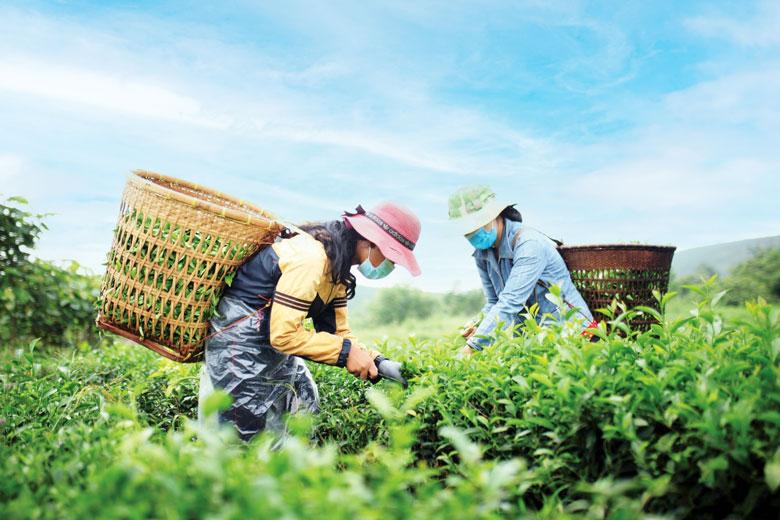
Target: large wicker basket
174, 245
627, 273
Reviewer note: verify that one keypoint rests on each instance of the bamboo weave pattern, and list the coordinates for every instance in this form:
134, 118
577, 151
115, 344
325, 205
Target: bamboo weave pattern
175, 246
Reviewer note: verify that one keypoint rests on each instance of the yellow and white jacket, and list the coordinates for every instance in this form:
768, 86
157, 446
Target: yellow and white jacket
292, 278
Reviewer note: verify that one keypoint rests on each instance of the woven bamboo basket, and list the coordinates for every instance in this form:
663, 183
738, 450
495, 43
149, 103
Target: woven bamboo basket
174, 246
627, 273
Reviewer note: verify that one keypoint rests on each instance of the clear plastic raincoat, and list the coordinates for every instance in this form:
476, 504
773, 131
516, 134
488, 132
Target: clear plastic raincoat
265, 384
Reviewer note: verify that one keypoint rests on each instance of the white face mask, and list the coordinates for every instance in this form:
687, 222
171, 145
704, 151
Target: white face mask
368, 270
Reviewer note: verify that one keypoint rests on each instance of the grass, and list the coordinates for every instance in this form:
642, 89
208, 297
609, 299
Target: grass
437, 326
682, 307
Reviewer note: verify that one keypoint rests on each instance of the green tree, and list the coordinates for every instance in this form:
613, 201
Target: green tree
19, 230
757, 276
37, 298
397, 304
678, 283
465, 303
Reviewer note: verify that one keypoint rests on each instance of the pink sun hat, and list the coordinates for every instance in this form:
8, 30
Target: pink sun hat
393, 228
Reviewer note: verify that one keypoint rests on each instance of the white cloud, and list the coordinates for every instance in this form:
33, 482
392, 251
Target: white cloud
677, 180
435, 139
698, 150
760, 30
734, 97
283, 198
11, 167
417, 131
701, 167
372, 144
104, 90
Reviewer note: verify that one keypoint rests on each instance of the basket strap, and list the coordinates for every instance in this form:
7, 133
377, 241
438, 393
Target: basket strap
558, 243
541, 283
290, 230
255, 312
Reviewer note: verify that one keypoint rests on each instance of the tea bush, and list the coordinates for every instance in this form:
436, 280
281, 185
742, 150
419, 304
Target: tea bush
689, 409
76, 445
681, 421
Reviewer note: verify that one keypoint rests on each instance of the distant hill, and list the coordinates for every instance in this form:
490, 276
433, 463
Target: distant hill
720, 257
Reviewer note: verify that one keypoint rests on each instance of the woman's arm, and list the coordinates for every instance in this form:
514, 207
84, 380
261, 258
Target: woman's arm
528, 265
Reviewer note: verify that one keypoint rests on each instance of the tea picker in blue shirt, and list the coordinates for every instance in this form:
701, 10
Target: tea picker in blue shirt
517, 265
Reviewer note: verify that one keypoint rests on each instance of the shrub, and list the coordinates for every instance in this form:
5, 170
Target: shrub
397, 304
38, 298
680, 420
75, 446
467, 303
756, 277
680, 284
401, 304
19, 230
688, 409
178, 477
49, 302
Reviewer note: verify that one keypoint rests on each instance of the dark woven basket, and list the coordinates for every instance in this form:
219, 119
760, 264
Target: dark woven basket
625, 272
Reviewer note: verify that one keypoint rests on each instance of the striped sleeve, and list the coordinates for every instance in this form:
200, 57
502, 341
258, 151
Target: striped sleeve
291, 301
302, 267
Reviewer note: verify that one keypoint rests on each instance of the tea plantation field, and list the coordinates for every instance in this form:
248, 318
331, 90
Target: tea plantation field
682, 421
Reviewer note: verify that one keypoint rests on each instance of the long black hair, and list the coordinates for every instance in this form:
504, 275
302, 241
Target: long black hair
510, 213
340, 242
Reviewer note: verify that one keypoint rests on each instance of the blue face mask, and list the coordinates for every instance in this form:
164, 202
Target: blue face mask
374, 273
482, 239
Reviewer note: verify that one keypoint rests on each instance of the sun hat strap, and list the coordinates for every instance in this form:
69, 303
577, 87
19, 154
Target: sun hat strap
358, 211
376, 219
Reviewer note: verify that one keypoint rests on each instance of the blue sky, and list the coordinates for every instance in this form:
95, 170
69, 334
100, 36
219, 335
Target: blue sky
604, 121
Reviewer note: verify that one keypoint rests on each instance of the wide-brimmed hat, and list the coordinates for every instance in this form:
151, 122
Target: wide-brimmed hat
393, 228
473, 207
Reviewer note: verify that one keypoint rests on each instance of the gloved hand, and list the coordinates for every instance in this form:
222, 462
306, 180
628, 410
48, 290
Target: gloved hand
389, 370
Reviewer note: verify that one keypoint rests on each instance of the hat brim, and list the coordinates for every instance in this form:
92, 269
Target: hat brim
392, 249
473, 221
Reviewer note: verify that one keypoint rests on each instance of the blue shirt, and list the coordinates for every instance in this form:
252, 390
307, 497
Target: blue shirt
510, 282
